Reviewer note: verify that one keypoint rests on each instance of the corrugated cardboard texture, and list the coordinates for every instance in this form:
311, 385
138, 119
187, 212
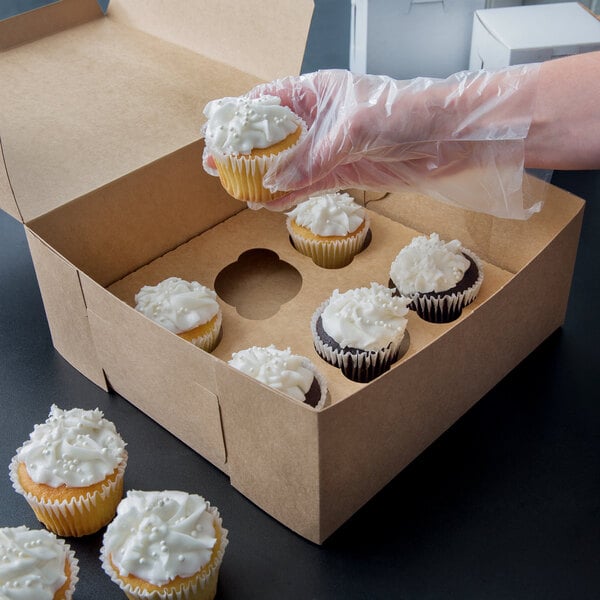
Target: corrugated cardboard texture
262, 37
96, 102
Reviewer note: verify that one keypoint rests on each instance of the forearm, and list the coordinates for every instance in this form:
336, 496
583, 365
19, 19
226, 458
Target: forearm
565, 127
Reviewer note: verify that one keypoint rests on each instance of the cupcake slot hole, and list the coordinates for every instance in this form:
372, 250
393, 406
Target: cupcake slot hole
258, 283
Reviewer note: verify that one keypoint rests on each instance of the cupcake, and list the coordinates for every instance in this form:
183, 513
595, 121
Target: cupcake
439, 277
361, 331
244, 137
289, 373
166, 544
186, 308
34, 563
330, 228
71, 470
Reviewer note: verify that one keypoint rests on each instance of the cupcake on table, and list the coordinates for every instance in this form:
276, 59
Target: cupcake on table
244, 137
439, 277
331, 228
71, 471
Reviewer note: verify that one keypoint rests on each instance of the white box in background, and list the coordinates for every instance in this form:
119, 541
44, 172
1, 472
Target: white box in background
527, 34
411, 38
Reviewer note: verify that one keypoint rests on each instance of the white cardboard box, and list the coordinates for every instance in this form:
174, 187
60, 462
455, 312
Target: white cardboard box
527, 34
411, 38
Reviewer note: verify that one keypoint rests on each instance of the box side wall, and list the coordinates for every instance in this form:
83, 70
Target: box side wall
163, 375
46, 20
262, 37
416, 402
126, 224
272, 450
7, 198
65, 308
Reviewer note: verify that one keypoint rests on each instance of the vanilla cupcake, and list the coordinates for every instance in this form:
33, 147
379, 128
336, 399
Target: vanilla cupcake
439, 277
35, 565
330, 228
245, 136
166, 544
71, 471
361, 331
186, 308
289, 373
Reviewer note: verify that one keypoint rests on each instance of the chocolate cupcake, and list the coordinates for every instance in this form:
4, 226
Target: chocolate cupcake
361, 331
440, 278
289, 373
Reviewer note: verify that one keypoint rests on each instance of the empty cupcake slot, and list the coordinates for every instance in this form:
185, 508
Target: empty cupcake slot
258, 283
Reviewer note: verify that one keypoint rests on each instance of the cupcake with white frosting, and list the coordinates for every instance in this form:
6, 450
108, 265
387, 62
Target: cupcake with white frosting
36, 565
71, 471
186, 308
291, 374
361, 331
330, 228
165, 544
439, 277
244, 136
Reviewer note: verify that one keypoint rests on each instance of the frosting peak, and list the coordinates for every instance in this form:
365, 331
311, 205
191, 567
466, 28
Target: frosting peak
73, 447
176, 304
366, 318
279, 369
32, 564
158, 536
428, 264
331, 214
238, 125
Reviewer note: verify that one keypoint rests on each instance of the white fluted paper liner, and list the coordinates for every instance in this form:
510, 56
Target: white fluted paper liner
199, 588
209, 340
242, 175
333, 254
74, 567
357, 366
82, 515
446, 308
320, 380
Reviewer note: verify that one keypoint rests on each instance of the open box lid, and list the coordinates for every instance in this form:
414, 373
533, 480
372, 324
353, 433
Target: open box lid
88, 97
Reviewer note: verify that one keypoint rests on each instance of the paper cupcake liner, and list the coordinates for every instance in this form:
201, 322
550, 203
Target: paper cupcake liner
201, 587
320, 380
242, 175
74, 568
209, 340
333, 254
441, 308
77, 516
361, 367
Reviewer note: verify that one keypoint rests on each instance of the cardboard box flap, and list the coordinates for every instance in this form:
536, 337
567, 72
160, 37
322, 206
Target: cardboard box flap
89, 105
262, 37
46, 20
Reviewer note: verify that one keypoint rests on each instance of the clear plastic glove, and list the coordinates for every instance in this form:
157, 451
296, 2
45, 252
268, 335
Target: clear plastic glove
460, 139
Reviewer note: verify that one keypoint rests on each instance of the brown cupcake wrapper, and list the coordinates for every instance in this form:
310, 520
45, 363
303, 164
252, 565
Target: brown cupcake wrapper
357, 366
202, 587
242, 175
321, 381
78, 516
446, 308
330, 254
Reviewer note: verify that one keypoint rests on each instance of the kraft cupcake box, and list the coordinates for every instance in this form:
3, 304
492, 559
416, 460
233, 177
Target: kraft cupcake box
102, 163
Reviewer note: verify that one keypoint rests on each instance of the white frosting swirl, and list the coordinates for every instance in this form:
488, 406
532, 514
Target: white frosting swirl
279, 369
32, 563
73, 447
329, 214
366, 318
428, 264
158, 536
238, 125
176, 304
